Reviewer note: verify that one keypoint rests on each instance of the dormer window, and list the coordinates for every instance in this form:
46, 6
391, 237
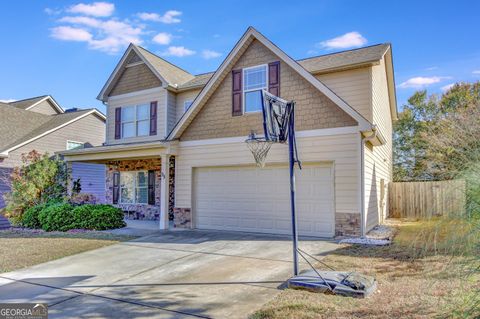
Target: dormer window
254, 81
135, 120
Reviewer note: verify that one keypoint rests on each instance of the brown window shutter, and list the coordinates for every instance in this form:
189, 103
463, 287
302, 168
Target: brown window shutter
151, 187
116, 187
153, 118
274, 78
118, 122
237, 92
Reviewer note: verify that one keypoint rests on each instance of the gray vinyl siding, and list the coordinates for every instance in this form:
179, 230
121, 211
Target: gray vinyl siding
89, 130
171, 111
44, 107
92, 178
4, 184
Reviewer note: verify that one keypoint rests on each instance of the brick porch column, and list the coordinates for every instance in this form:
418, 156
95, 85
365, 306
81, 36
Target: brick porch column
164, 192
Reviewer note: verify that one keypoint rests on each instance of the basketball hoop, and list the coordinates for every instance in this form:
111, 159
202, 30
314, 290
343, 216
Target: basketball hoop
259, 148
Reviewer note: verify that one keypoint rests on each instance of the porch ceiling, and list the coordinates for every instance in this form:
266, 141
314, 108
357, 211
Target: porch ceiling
103, 154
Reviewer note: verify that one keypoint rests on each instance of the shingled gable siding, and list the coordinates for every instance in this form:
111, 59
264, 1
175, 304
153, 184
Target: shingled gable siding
135, 78
314, 110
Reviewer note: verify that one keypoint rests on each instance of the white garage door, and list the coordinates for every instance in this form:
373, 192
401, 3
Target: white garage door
258, 200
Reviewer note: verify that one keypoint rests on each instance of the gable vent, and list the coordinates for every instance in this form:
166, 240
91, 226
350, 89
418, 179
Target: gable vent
133, 58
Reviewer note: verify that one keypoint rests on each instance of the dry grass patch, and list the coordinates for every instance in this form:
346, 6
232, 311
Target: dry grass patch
23, 248
413, 282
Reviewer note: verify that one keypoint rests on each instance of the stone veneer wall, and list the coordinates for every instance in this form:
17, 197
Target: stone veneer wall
182, 218
136, 211
347, 224
171, 184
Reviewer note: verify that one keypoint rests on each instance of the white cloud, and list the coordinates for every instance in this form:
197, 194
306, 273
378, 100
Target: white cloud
96, 9
178, 51
348, 40
209, 54
447, 87
312, 52
476, 72
162, 38
66, 33
90, 22
432, 68
108, 36
7, 100
422, 81
169, 17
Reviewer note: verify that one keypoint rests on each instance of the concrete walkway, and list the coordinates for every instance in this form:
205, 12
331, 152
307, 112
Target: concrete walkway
181, 274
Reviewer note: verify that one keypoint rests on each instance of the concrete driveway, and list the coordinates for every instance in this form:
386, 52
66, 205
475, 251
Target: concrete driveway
182, 274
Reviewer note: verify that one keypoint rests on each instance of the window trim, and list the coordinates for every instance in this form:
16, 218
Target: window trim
135, 187
72, 141
265, 65
184, 102
135, 120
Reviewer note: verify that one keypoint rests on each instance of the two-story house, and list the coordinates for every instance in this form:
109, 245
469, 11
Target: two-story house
41, 124
175, 142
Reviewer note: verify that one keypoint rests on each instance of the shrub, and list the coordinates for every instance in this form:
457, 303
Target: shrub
82, 198
30, 217
57, 217
98, 217
39, 179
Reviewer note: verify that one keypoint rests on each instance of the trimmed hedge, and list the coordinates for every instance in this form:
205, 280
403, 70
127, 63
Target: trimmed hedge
98, 217
57, 217
64, 216
30, 217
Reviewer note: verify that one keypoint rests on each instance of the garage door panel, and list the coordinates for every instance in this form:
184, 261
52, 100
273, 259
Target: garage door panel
258, 200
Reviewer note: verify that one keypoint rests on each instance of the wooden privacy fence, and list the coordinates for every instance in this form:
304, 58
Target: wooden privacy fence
426, 199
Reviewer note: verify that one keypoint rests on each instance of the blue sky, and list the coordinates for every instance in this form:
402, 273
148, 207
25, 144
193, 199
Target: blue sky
69, 48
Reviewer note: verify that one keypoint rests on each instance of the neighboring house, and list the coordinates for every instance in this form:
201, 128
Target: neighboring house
41, 124
175, 141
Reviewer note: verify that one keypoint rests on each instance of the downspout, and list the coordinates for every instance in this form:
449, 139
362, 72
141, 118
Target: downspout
106, 124
362, 174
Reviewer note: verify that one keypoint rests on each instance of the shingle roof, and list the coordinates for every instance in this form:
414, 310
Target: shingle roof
344, 58
15, 123
24, 104
316, 64
170, 72
18, 126
198, 81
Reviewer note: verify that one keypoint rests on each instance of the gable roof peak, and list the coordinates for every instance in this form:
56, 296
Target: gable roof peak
233, 55
28, 103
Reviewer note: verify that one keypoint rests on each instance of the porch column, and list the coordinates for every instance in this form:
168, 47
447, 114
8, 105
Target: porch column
164, 192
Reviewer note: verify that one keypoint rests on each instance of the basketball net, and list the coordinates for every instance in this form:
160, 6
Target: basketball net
259, 148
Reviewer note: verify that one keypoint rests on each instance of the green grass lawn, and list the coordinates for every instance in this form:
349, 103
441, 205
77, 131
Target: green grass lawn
416, 279
24, 248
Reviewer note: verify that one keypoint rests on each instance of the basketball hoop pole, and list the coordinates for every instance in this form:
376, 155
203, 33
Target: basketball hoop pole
291, 156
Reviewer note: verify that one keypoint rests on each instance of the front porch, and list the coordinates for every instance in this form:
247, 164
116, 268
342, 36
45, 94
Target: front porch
139, 179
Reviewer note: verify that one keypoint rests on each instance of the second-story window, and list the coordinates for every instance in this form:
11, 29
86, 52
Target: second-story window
135, 120
254, 81
186, 105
